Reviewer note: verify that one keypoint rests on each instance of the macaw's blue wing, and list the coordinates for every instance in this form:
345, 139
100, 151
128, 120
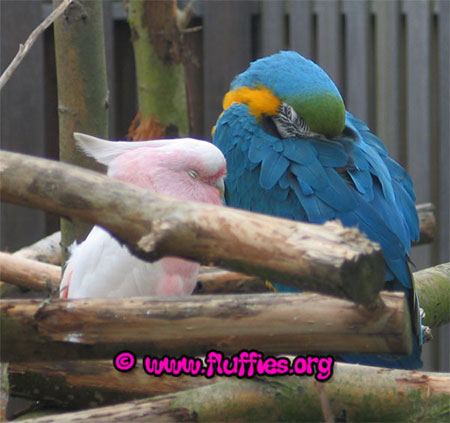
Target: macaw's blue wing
350, 178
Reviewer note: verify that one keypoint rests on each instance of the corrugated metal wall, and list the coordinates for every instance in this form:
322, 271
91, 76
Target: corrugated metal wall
390, 59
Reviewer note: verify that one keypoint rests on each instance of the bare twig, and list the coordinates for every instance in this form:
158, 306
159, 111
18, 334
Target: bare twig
24, 48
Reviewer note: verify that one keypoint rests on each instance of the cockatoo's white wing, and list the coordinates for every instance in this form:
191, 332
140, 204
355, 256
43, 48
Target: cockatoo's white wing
102, 267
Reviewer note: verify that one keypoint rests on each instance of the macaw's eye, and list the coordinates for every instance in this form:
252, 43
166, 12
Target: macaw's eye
289, 124
192, 173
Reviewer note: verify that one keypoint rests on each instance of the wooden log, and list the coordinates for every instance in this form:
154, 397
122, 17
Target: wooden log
46, 250
427, 222
220, 281
356, 394
274, 323
78, 384
326, 258
29, 274
433, 289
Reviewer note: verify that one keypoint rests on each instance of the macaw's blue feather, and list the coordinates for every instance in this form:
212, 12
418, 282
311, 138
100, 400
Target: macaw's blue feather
298, 152
314, 174
330, 153
272, 169
350, 178
363, 182
409, 211
402, 180
337, 194
369, 138
305, 187
315, 210
258, 151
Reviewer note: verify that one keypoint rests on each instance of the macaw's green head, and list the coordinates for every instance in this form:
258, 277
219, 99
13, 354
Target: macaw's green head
293, 92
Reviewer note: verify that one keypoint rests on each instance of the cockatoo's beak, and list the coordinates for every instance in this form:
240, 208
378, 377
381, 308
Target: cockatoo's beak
220, 185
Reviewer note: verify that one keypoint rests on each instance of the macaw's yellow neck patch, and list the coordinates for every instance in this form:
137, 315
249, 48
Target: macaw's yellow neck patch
260, 101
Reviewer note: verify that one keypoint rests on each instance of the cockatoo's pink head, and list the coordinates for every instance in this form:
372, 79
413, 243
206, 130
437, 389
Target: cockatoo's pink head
184, 168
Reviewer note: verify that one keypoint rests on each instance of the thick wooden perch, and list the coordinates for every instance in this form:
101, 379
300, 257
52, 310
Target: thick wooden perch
273, 323
48, 250
433, 289
78, 384
326, 258
356, 394
427, 222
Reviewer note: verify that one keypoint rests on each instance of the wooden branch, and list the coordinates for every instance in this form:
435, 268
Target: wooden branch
427, 221
29, 273
24, 48
433, 289
220, 281
326, 258
46, 250
432, 284
76, 384
273, 323
356, 393
214, 281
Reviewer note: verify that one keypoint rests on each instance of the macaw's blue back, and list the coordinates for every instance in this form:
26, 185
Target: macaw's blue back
293, 151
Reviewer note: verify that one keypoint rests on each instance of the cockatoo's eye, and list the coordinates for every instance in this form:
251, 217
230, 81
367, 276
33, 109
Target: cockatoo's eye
289, 124
192, 173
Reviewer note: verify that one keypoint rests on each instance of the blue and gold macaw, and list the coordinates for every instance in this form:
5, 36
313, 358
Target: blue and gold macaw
293, 151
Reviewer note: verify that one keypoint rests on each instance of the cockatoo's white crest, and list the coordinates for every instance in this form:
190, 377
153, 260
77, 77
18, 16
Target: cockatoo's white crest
105, 152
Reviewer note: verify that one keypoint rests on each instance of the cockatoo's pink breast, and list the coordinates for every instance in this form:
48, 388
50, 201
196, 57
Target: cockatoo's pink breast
187, 169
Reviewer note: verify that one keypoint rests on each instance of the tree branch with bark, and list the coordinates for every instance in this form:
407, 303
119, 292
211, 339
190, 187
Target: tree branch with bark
356, 394
96, 328
325, 258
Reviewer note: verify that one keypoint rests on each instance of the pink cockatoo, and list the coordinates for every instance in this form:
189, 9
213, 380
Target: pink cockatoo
188, 169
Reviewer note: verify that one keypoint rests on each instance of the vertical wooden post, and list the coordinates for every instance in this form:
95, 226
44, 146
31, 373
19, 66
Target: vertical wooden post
82, 89
158, 52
